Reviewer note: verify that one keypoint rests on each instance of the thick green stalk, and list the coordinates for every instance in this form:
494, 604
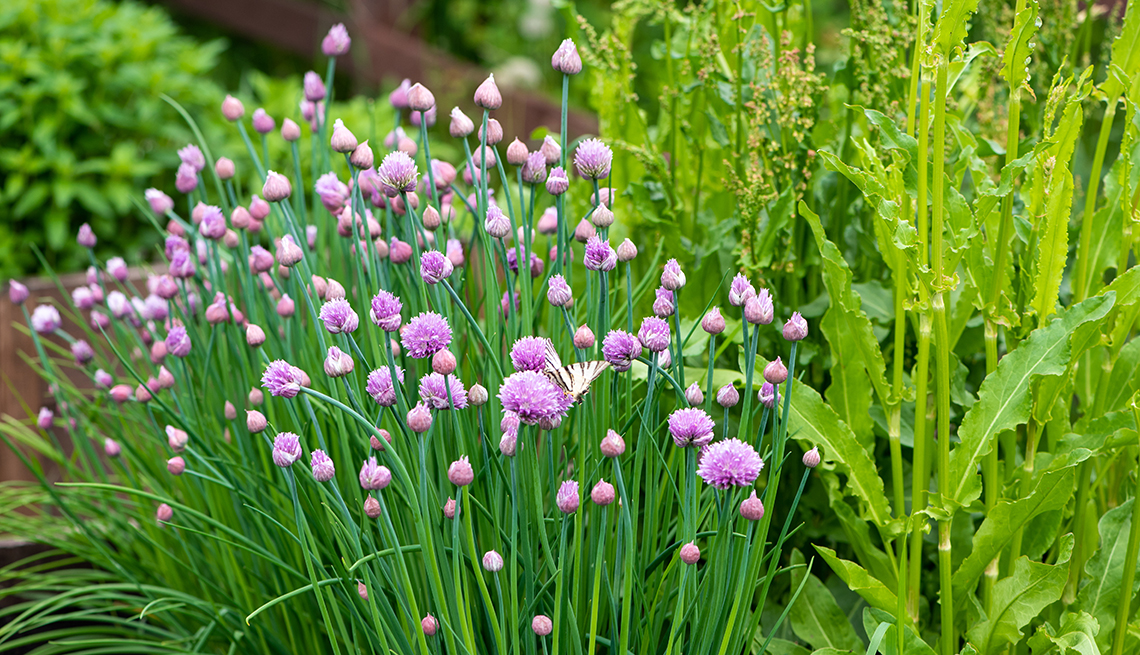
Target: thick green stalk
599, 559
1081, 275
1124, 603
990, 472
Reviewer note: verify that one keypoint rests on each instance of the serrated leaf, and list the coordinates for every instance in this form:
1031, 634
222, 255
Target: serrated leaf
1051, 492
860, 581
1004, 398
1077, 635
953, 24
1053, 248
1101, 594
1017, 599
1013, 62
912, 643
1125, 50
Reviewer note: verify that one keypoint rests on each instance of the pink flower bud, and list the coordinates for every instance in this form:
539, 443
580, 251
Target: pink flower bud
443, 362
713, 322
584, 338
342, 140
111, 447
420, 98
263, 123
566, 59
752, 509
176, 465
255, 421
121, 393
694, 395
165, 378
45, 418
362, 590
224, 167
256, 396
362, 156
494, 135
551, 151
775, 372
419, 418
164, 513
142, 394
811, 458
460, 473
371, 508
17, 292
376, 443
492, 561
290, 131
542, 625
429, 625
585, 231
796, 328
602, 217
276, 188
232, 108
626, 251
449, 508
602, 493
612, 444
229, 411
461, 126
176, 438
517, 153
487, 95
254, 335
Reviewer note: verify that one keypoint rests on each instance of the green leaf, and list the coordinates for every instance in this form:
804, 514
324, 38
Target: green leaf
1123, 381
812, 423
912, 643
1004, 396
1051, 492
1077, 635
816, 617
777, 646
1014, 68
1053, 249
953, 24
1101, 594
860, 581
1017, 599
1125, 51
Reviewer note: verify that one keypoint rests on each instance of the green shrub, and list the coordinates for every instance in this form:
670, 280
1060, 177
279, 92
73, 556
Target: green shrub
84, 124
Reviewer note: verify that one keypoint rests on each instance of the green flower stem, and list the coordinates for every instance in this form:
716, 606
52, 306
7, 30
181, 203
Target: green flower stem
991, 477
1081, 275
309, 555
475, 560
560, 585
599, 559
474, 324
1124, 604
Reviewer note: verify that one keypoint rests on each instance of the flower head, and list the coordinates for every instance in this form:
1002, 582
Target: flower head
336, 42
533, 397
534, 169
541, 625
727, 396
192, 156
599, 255
460, 472
282, 379
386, 311
557, 182
159, 202
730, 463
664, 305
775, 372
276, 187
713, 322
620, 348
626, 251
426, 335
435, 267
567, 499
551, 150
419, 418
529, 354
768, 395
566, 59
380, 387
286, 449
373, 476
758, 308
339, 317
612, 444
338, 363
439, 395
323, 469
593, 159
691, 426
654, 333
81, 351
602, 493
263, 123
397, 174
46, 319
740, 290
796, 328
558, 292
496, 223
672, 278
751, 508
461, 125
334, 193
178, 341
314, 87
690, 553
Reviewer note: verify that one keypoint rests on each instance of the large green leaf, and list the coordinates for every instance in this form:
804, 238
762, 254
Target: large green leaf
1125, 51
813, 423
1014, 62
816, 617
1004, 396
1101, 594
953, 24
1017, 599
912, 643
1077, 635
860, 581
1051, 492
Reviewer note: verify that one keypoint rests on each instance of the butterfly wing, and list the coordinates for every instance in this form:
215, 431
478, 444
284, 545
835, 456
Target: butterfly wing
576, 379
553, 361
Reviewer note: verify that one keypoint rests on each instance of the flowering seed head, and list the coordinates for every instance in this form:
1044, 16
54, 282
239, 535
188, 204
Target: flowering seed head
178, 341
567, 499
322, 466
730, 463
691, 426
758, 309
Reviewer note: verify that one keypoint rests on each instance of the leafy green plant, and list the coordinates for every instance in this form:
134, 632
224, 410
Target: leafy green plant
83, 122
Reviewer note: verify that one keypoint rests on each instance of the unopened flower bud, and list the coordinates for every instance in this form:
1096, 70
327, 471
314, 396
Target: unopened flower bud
443, 362
517, 153
176, 465
811, 458
263, 123
566, 59
612, 444
626, 251
775, 372
362, 156
290, 131
584, 338
752, 509
276, 188
449, 508
420, 98
694, 395
494, 135
690, 554
461, 126
255, 421
232, 108
713, 322
224, 167
602, 217
487, 95
542, 625
602, 493
796, 328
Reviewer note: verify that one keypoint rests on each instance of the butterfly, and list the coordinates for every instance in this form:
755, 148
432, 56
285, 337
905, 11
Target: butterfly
574, 379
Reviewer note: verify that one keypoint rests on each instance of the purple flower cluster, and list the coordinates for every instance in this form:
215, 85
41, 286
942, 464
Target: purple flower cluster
529, 354
691, 426
730, 463
599, 255
386, 311
380, 387
426, 335
654, 334
533, 397
620, 348
439, 395
339, 317
282, 379
397, 174
593, 159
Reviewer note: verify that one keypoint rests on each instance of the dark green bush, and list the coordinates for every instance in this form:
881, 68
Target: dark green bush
84, 124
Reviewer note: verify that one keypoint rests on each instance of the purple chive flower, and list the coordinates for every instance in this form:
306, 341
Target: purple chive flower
599, 255
691, 426
104, 379
566, 59
529, 354
397, 173
178, 341
323, 469
182, 264
186, 179
740, 290
260, 260
654, 334
727, 396
593, 159
775, 372
534, 170
557, 182
434, 392
373, 476
758, 308
263, 123
496, 223
567, 499
460, 472
339, 317
533, 397
768, 395
117, 268
426, 335
796, 328
159, 202
558, 292
664, 305
338, 363
286, 449
730, 463
81, 351
386, 311
45, 418
334, 193
45, 319
713, 322
83, 298
192, 156
336, 42
282, 379
435, 267
213, 225
672, 278
811, 458
380, 385
620, 348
